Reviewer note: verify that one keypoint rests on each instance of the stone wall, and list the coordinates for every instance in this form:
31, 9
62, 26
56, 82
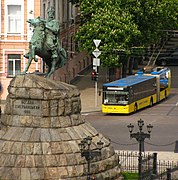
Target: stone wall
40, 132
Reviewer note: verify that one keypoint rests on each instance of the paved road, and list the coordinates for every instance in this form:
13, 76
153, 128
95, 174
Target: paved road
163, 116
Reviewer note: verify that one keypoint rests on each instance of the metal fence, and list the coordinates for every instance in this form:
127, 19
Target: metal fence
167, 170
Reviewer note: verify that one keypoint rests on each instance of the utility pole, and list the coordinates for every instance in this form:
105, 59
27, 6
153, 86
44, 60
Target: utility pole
96, 64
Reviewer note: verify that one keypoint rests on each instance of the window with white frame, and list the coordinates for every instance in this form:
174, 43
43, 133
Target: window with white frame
14, 64
14, 18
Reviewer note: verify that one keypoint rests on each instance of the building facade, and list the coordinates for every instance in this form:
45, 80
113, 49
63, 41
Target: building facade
15, 34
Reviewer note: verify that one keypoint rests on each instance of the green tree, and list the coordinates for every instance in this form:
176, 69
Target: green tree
153, 17
123, 24
105, 20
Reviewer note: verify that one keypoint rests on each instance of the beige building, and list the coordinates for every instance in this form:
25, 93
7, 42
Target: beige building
15, 34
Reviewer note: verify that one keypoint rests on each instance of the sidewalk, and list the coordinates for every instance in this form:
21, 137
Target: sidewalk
90, 100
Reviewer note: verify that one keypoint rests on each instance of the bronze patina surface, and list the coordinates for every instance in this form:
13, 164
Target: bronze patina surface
45, 43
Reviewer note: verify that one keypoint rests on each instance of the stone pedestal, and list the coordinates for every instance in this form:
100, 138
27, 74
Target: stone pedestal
40, 132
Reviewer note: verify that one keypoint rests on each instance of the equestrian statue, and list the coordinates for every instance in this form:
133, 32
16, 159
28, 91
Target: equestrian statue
45, 43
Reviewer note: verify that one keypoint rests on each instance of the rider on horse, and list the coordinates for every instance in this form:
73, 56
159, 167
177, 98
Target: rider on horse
45, 43
52, 30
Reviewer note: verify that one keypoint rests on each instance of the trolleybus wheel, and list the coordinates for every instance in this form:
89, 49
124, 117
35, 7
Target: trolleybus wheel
151, 102
135, 108
165, 94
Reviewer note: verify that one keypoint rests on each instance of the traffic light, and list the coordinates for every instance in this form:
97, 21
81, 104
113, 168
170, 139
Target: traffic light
94, 76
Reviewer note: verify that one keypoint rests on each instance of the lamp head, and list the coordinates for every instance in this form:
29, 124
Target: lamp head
88, 140
130, 127
149, 128
140, 124
100, 144
82, 145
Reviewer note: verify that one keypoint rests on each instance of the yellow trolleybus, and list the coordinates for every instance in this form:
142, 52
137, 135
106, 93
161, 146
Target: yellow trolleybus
135, 92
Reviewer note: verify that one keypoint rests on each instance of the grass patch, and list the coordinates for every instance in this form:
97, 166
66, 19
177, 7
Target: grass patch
130, 176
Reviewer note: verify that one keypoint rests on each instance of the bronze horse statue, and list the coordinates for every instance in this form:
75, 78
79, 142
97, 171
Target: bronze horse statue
37, 46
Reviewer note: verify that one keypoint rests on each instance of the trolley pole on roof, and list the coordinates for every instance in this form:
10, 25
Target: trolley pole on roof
96, 64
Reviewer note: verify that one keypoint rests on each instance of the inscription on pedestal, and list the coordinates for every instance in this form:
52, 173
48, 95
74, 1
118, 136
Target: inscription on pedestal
27, 107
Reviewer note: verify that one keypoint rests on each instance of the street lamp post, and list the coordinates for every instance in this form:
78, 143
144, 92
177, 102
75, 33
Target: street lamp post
140, 136
85, 148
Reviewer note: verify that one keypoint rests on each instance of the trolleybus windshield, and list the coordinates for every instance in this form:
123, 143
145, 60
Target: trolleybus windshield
115, 97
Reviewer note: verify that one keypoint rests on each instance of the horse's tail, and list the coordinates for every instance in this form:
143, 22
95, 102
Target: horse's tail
62, 57
63, 53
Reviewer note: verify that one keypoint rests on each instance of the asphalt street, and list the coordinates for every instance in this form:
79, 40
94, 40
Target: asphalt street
163, 117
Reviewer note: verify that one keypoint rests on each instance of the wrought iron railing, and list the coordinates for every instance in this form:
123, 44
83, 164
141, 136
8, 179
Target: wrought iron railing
152, 168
